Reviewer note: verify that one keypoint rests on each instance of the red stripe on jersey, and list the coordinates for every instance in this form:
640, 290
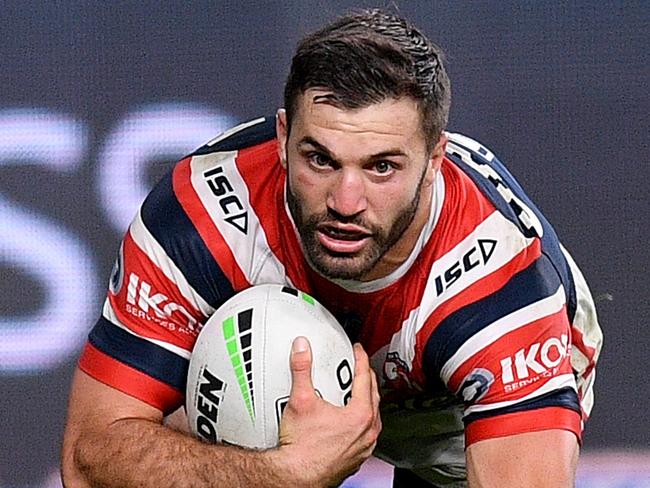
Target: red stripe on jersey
265, 184
531, 337
129, 380
473, 293
462, 197
588, 370
214, 241
144, 309
262, 181
383, 311
589, 352
553, 358
546, 418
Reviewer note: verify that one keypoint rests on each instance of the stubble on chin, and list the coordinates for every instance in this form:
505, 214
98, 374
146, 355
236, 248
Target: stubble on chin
348, 266
341, 266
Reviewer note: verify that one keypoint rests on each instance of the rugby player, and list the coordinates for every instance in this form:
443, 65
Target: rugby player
470, 318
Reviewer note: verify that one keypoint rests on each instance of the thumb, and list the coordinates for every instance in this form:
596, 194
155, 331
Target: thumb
300, 364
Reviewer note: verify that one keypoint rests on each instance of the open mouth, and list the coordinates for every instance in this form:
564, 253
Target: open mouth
343, 239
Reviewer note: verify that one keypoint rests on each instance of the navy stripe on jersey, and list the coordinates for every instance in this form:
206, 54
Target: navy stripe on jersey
140, 354
168, 223
537, 281
550, 241
250, 136
564, 397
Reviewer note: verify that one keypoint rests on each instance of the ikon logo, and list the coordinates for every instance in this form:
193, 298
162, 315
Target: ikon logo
139, 293
537, 358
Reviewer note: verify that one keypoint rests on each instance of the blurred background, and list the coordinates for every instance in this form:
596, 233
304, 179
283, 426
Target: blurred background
98, 99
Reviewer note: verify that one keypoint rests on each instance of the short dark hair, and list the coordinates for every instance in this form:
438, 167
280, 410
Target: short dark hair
368, 56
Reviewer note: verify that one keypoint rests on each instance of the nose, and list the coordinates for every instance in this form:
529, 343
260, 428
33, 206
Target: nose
347, 196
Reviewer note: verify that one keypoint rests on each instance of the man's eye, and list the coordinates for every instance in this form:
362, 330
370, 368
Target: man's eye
319, 159
383, 166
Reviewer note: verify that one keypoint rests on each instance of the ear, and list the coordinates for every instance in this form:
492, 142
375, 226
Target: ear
281, 133
437, 155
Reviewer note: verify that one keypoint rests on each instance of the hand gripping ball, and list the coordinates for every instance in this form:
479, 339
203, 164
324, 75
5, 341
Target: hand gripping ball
239, 378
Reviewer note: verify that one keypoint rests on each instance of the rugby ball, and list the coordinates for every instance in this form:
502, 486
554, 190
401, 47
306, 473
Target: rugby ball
239, 378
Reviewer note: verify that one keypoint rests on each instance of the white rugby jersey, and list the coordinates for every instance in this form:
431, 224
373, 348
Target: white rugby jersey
487, 328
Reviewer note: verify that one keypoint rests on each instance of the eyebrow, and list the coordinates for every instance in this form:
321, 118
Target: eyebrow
313, 142
317, 145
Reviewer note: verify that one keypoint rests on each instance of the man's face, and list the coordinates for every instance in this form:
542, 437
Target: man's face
355, 182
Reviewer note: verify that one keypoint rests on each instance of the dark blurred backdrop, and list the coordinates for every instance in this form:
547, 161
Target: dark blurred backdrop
97, 99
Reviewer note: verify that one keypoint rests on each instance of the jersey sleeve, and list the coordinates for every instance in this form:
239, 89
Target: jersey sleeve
195, 241
587, 337
164, 285
518, 341
507, 356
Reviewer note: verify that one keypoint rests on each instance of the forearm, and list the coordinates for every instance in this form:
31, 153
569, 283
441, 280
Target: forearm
115, 440
142, 453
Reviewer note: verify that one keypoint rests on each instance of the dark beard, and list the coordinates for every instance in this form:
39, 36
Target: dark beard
348, 266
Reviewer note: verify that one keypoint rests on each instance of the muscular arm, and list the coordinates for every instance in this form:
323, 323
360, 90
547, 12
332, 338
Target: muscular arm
545, 459
114, 440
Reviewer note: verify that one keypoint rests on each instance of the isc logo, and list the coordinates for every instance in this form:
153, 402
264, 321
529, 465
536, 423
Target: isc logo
478, 254
538, 358
236, 213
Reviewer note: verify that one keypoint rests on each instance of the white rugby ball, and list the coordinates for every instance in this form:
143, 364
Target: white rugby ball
239, 378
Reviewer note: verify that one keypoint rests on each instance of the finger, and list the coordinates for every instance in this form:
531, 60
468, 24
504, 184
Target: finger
362, 383
375, 390
375, 403
300, 364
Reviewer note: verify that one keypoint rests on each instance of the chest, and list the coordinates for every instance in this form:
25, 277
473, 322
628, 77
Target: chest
385, 324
